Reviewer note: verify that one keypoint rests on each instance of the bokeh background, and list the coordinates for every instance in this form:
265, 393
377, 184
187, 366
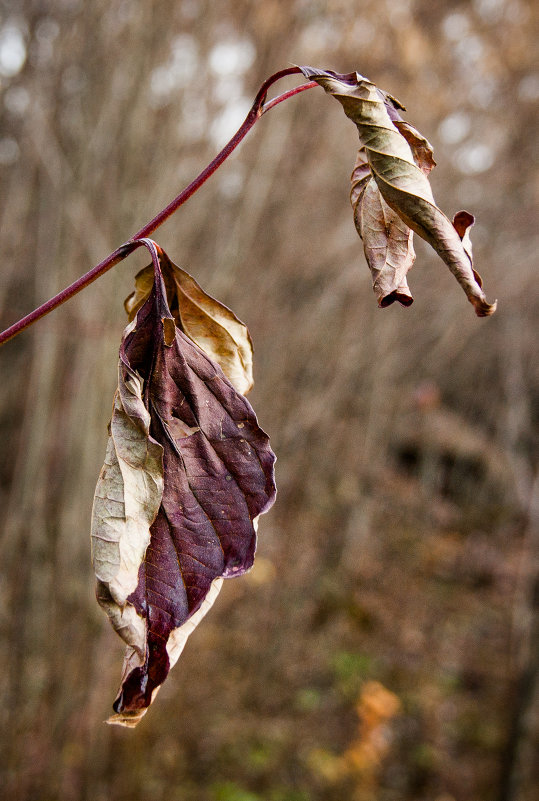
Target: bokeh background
385, 646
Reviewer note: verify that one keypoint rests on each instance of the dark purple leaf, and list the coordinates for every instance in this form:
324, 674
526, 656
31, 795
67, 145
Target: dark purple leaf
217, 478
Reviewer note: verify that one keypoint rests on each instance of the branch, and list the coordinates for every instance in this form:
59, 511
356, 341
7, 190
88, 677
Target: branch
258, 108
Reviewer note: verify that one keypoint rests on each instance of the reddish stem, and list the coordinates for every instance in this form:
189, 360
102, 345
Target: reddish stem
291, 92
257, 109
254, 114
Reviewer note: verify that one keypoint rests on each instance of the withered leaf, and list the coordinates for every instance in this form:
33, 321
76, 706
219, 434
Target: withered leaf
209, 323
187, 472
402, 182
387, 241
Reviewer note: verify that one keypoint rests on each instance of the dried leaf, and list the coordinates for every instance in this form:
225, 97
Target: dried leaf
402, 183
387, 241
187, 472
126, 501
213, 326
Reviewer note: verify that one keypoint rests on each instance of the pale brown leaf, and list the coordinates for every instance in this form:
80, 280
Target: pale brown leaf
126, 502
209, 323
387, 241
402, 183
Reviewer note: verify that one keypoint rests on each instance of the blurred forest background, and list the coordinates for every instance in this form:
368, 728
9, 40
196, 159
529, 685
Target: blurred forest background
385, 646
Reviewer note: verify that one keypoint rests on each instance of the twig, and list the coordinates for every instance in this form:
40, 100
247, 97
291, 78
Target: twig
258, 108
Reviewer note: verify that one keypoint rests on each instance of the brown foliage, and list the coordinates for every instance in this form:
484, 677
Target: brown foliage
188, 471
399, 159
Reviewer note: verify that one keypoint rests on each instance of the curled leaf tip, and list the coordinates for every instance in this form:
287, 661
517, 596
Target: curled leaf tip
482, 307
130, 721
403, 297
462, 222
